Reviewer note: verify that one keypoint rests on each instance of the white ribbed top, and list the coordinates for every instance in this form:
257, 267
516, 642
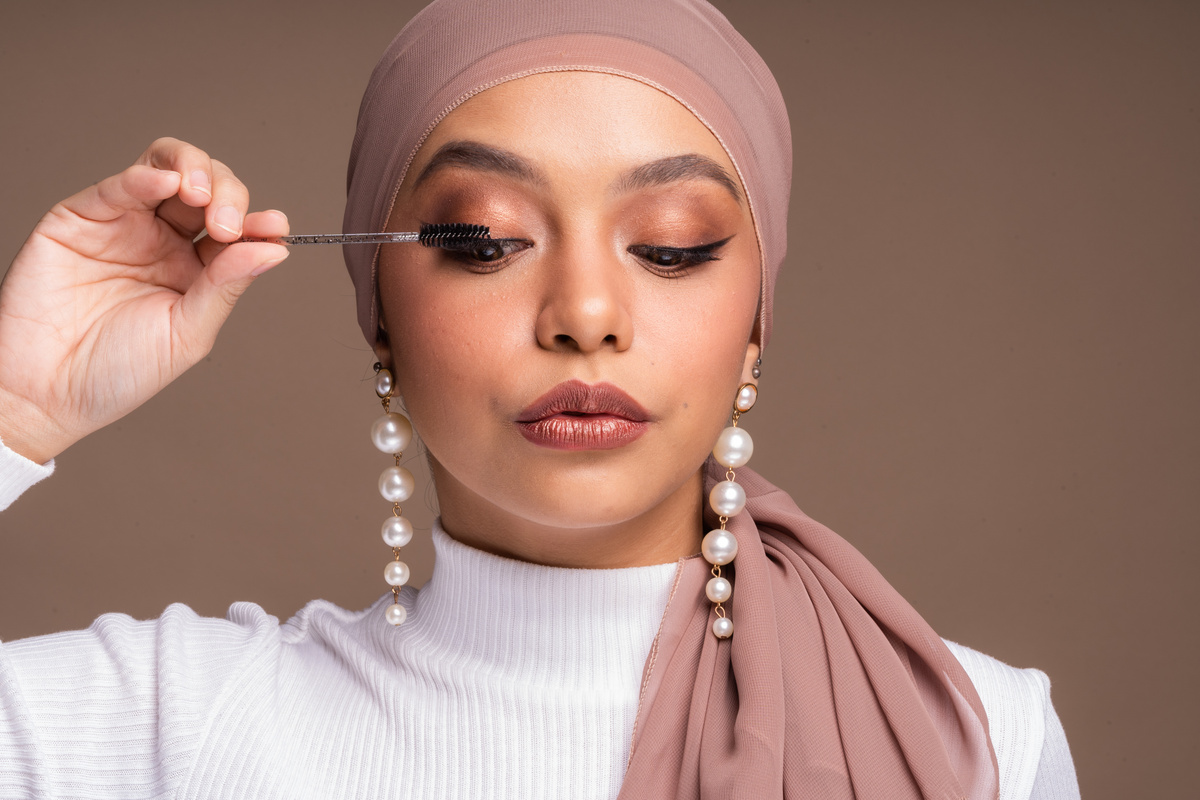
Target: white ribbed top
509, 680
18, 473
512, 658
493, 620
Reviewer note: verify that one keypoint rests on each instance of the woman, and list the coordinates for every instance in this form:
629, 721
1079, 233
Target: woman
569, 384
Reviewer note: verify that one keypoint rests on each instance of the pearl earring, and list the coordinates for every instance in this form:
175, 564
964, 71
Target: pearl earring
391, 433
733, 449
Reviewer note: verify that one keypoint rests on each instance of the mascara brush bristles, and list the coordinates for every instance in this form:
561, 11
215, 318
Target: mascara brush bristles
451, 232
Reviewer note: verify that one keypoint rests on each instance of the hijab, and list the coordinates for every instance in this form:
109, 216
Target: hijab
833, 686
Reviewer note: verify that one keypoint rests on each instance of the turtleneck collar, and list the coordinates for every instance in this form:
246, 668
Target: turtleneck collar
547, 626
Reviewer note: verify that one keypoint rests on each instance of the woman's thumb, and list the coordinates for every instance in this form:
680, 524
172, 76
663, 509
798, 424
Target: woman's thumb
208, 302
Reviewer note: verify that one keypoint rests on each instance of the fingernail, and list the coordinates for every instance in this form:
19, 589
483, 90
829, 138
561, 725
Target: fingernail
199, 180
261, 268
228, 218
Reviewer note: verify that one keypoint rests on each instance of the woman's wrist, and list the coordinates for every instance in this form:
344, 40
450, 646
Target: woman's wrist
28, 432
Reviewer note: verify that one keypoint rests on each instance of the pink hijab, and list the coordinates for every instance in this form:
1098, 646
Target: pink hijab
832, 686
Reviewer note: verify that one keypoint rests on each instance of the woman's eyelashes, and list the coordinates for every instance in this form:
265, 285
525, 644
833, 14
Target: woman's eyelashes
490, 255
673, 262
484, 255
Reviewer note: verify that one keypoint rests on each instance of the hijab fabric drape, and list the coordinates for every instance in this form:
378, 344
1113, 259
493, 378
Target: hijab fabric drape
832, 685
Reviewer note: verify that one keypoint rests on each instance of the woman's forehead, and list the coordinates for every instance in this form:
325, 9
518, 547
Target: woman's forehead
575, 120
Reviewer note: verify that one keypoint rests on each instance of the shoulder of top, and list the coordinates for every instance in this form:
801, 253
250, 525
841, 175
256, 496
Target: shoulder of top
324, 620
1016, 702
243, 624
991, 676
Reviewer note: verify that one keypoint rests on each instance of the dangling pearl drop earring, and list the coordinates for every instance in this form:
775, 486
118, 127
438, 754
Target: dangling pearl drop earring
733, 449
391, 433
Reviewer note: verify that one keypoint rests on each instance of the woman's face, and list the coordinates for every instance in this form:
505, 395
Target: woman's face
569, 390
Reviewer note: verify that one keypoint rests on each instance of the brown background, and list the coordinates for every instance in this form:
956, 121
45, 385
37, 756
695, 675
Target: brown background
984, 371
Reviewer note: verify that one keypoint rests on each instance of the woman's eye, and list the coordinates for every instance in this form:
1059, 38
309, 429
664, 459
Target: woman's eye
485, 252
673, 261
663, 258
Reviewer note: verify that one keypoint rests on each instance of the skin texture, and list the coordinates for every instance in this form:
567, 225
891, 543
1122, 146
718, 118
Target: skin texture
471, 348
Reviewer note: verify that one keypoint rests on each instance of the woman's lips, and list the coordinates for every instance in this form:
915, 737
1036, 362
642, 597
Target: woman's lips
578, 416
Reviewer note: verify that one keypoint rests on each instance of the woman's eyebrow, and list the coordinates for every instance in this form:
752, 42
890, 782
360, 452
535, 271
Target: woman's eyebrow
485, 158
482, 157
689, 166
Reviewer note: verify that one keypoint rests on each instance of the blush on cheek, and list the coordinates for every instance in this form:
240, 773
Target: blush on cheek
453, 354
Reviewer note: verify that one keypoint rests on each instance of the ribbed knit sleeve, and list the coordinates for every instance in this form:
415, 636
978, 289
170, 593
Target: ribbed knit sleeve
1031, 746
18, 473
122, 708
1055, 778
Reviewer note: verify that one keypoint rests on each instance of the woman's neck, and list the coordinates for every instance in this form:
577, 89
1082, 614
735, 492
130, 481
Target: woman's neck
669, 531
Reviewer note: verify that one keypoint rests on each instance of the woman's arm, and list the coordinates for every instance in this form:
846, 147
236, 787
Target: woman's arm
121, 709
1055, 778
110, 299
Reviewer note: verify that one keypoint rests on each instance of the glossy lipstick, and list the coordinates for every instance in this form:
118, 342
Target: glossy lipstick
578, 416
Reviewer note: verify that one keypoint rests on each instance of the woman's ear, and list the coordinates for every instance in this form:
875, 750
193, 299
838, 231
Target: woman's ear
382, 348
753, 351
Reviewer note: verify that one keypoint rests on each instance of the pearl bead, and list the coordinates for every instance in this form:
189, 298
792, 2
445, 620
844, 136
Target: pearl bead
397, 531
396, 484
719, 547
723, 627
746, 396
391, 433
727, 498
396, 573
395, 614
383, 383
734, 448
719, 589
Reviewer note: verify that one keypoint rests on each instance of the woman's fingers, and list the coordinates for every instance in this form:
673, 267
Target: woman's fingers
230, 199
193, 165
210, 196
229, 270
259, 224
267, 224
137, 188
202, 310
223, 214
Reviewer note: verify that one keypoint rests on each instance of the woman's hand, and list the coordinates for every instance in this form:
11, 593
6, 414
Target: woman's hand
109, 299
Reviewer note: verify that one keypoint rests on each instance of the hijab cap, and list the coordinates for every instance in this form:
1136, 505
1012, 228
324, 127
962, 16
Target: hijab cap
454, 49
832, 687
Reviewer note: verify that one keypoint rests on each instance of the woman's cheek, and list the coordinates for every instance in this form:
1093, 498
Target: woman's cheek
455, 355
702, 340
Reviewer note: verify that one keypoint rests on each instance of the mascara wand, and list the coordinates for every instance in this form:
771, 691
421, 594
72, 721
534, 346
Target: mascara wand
439, 235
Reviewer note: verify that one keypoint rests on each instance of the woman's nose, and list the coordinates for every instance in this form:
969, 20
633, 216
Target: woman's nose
585, 306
